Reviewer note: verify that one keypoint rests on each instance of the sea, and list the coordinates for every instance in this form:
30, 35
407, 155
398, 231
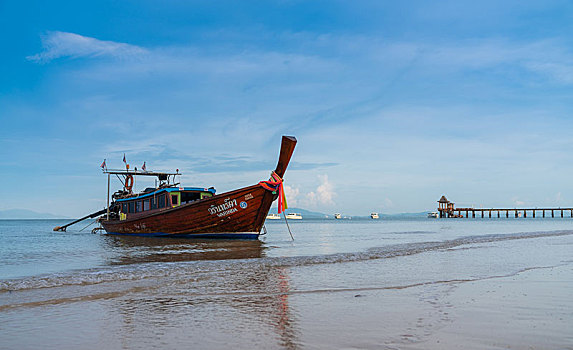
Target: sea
391, 283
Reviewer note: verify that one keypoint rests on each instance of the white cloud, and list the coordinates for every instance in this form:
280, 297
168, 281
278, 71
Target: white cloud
62, 44
562, 72
387, 204
292, 195
324, 194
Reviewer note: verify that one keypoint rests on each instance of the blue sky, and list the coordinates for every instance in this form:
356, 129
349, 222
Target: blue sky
393, 103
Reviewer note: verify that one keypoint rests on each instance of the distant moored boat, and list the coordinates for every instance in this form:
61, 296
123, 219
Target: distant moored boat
337, 216
374, 216
274, 216
433, 215
294, 216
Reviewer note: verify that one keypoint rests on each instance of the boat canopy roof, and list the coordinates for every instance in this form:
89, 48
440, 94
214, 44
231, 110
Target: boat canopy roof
161, 175
168, 189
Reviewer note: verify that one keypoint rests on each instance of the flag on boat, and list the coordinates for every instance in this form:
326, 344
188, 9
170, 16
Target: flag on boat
125, 161
285, 206
282, 199
103, 165
143, 167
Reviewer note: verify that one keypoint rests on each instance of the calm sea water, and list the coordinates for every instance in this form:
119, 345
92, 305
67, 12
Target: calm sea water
79, 290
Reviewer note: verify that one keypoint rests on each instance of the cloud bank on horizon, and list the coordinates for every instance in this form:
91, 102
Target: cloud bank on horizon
393, 104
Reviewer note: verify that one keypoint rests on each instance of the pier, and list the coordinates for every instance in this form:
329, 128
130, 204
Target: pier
447, 209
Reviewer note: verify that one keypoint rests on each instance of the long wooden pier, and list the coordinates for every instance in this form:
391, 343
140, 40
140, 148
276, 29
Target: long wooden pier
447, 209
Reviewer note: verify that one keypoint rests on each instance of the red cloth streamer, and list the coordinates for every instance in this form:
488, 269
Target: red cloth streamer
275, 184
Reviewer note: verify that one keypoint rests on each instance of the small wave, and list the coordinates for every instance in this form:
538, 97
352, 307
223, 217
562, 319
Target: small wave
413, 232
196, 268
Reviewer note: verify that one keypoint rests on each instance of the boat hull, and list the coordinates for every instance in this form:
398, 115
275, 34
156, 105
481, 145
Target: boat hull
237, 214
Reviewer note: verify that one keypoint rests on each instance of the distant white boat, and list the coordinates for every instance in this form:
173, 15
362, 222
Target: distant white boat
294, 216
337, 216
274, 216
374, 216
433, 215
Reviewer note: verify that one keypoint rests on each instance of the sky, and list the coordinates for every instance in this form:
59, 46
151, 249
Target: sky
393, 103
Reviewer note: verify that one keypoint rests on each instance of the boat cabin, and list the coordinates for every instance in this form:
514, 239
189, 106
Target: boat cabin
154, 200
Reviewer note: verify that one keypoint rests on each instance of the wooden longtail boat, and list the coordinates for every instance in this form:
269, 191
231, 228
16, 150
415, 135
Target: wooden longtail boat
173, 211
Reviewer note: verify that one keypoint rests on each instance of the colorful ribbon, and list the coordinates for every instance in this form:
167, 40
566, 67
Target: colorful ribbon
274, 184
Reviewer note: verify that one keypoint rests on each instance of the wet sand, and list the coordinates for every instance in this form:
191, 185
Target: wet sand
528, 310
531, 310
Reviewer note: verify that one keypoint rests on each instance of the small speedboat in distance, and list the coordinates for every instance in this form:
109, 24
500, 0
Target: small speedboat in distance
274, 216
433, 215
294, 216
337, 216
374, 216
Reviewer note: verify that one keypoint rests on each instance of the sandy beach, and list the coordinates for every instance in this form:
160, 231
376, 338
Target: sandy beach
529, 310
512, 312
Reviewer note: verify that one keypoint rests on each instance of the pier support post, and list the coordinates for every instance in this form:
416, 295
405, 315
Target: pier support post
507, 213
524, 213
473, 214
468, 213
516, 213
552, 214
490, 214
561, 212
544, 213
498, 213
482, 213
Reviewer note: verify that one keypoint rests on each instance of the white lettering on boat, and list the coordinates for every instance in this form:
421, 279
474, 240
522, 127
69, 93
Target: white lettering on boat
248, 196
227, 212
224, 209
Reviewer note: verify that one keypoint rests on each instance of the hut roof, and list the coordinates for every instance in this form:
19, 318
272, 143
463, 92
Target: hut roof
443, 200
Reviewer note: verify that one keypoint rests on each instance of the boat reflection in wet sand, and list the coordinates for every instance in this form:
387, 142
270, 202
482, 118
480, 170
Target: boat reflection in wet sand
173, 211
128, 250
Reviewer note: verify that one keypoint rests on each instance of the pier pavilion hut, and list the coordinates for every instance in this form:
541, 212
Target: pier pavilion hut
445, 206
